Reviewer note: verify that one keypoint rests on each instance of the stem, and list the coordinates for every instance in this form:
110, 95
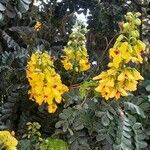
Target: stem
85, 98
121, 113
104, 52
73, 77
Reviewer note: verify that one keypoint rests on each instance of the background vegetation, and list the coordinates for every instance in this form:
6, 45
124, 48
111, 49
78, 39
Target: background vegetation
83, 122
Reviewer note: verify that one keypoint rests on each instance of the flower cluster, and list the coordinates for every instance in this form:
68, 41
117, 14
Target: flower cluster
46, 84
76, 57
7, 141
116, 82
120, 79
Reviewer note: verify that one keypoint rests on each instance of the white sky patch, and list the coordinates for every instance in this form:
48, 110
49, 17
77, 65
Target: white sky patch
36, 3
59, 1
81, 16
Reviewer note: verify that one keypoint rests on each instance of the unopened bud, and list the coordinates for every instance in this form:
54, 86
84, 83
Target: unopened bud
129, 18
135, 33
129, 14
138, 22
138, 14
126, 26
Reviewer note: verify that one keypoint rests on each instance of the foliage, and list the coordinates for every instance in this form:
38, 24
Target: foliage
101, 121
54, 144
83, 120
32, 138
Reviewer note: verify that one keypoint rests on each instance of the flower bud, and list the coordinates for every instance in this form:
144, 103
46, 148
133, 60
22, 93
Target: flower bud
138, 14
135, 33
126, 26
137, 22
129, 14
129, 18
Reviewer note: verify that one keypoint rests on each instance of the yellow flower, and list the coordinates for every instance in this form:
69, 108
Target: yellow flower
46, 85
115, 83
130, 85
84, 65
111, 71
104, 91
39, 99
111, 92
108, 81
126, 74
119, 54
118, 80
117, 92
69, 52
137, 75
138, 49
37, 26
52, 108
116, 55
100, 76
8, 141
75, 53
141, 45
67, 64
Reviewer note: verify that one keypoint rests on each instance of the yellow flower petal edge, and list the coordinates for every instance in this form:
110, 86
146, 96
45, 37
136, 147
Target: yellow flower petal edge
8, 141
45, 84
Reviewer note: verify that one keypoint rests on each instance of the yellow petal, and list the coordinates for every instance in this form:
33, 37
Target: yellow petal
103, 74
137, 75
52, 108
131, 85
124, 46
116, 62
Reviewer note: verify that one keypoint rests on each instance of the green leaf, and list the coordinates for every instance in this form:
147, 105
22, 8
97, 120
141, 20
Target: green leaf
142, 144
105, 120
85, 87
59, 124
137, 126
126, 134
125, 147
54, 144
99, 113
125, 128
65, 126
78, 126
100, 137
117, 147
134, 108
23, 7
109, 115
126, 141
24, 144
147, 88
141, 137
109, 139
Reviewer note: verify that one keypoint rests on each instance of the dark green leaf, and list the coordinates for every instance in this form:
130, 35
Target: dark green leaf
105, 120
